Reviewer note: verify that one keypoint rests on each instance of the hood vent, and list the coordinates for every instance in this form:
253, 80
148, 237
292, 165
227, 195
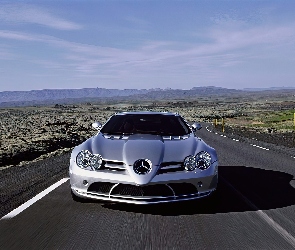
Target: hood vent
126, 137
116, 137
173, 137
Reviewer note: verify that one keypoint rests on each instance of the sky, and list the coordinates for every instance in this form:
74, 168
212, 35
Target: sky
144, 44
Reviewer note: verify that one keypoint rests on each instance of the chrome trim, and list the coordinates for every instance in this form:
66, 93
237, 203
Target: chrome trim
112, 189
112, 160
172, 167
111, 166
171, 190
145, 200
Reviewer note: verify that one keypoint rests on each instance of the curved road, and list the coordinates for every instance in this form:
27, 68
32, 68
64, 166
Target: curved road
256, 210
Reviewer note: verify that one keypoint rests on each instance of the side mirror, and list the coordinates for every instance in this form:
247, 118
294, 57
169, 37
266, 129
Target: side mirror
97, 125
196, 126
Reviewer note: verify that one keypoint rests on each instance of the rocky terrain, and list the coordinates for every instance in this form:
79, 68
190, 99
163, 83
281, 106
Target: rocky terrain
34, 133
29, 133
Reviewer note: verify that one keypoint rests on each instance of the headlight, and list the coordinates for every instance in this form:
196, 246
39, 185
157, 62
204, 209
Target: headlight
190, 163
86, 160
201, 161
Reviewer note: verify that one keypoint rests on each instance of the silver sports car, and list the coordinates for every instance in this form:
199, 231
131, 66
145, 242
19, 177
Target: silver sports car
143, 158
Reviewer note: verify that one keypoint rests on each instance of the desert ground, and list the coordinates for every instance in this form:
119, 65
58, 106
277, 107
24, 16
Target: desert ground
37, 132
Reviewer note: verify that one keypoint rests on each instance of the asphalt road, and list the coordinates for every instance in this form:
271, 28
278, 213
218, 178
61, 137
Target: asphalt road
256, 209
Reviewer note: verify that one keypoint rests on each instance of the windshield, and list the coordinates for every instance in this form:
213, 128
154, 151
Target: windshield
146, 124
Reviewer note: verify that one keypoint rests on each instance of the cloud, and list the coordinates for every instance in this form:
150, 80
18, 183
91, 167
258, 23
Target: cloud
226, 48
265, 35
24, 13
7, 34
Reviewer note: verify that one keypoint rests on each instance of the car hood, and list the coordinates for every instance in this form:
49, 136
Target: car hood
155, 148
144, 146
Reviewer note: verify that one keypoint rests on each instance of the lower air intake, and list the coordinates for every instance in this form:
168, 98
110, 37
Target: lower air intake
101, 187
151, 190
183, 188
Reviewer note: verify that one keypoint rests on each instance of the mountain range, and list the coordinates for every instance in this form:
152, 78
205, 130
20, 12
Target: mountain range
70, 96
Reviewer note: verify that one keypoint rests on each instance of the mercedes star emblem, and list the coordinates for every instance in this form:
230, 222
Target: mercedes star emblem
142, 166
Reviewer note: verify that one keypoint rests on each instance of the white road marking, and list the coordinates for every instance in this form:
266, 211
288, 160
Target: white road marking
207, 128
259, 146
267, 149
280, 230
30, 202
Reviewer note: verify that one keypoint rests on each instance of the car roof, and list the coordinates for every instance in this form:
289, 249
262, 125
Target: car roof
146, 112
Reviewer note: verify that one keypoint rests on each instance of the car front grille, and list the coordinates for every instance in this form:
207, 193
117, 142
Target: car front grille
113, 165
151, 190
170, 167
183, 188
100, 187
157, 191
129, 190
165, 167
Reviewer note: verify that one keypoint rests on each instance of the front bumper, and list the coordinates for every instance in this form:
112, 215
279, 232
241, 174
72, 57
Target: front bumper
166, 187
